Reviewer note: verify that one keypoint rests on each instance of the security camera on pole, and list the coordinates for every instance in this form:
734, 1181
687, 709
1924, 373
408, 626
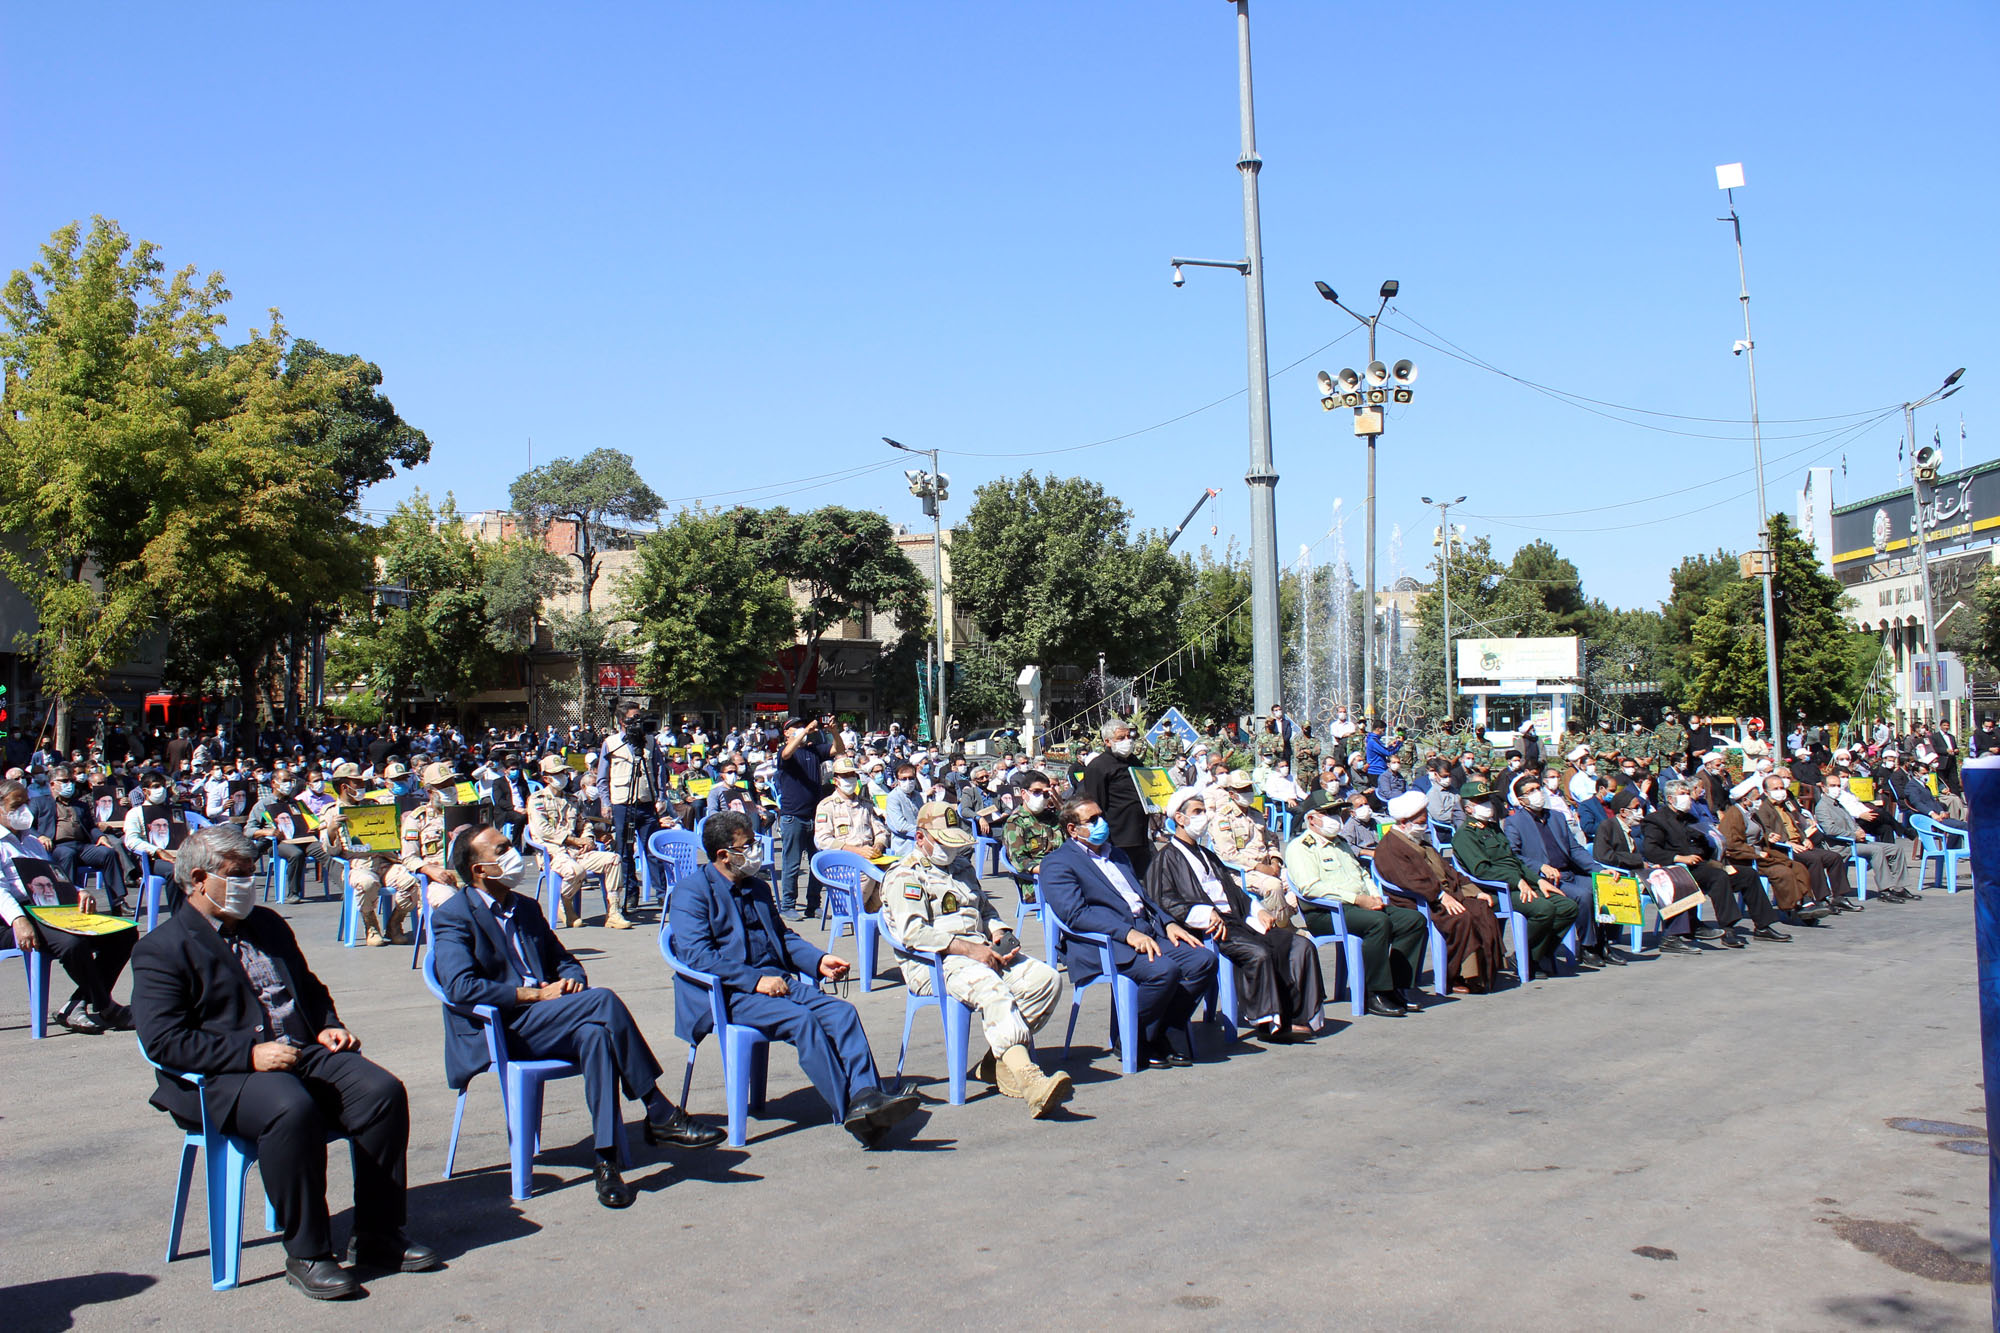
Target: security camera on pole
932, 488
1347, 390
1926, 463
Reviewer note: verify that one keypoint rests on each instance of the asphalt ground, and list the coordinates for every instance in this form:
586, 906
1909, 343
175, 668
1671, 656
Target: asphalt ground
1681, 1143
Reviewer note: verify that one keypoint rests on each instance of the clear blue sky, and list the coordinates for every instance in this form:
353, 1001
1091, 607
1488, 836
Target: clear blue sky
742, 242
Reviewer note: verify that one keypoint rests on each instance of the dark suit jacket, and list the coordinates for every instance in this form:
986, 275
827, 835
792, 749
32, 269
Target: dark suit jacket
710, 935
475, 966
1173, 884
196, 1010
1085, 900
1108, 780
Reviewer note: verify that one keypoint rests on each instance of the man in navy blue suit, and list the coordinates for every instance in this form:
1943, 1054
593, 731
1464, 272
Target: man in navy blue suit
493, 946
725, 923
1090, 885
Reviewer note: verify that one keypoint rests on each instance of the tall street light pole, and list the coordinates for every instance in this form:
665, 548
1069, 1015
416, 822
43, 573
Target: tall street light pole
1729, 179
1924, 466
1444, 577
931, 487
1262, 478
1368, 422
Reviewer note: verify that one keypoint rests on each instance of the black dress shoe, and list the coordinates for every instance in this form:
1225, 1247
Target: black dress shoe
1382, 1008
859, 1120
1849, 904
398, 1253
1175, 1059
1409, 999
1609, 957
322, 1279
1770, 933
893, 1107
118, 1017
1708, 932
1730, 940
1675, 944
612, 1191
679, 1131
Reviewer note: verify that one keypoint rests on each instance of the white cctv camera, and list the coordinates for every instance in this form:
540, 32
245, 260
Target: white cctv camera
1180, 278
1742, 346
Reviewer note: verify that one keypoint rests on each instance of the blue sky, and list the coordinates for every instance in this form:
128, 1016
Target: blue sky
743, 242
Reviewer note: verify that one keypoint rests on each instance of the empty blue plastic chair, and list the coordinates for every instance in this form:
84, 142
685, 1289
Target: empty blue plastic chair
956, 1016
37, 962
1943, 844
746, 1050
679, 851
846, 877
521, 1084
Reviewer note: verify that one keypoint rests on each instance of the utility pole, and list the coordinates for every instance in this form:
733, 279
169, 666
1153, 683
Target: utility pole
1728, 179
932, 488
1444, 536
1346, 390
1306, 599
1262, 478
1924, 466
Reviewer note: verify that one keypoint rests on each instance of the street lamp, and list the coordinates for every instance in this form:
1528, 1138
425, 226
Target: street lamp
932, 487
1348, 390
1925, 464
1262, 478
1443, 541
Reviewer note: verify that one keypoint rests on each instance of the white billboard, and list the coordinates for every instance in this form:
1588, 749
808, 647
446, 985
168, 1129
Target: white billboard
1520, 665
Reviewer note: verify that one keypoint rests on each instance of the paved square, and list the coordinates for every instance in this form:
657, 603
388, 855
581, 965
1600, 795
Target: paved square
1496, 1162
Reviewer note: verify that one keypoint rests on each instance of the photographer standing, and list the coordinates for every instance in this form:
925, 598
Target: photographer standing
808, 744
630, 797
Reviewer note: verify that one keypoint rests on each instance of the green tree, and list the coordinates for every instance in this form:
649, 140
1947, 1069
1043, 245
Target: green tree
843, 562
1482, 606
428, 630
711, 614
1051, 571
520, 574
1694, 585
982, 687
97, 347
1813, 638
1212, 679
366, 439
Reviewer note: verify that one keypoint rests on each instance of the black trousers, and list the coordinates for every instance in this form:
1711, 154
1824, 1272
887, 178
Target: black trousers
1828, 869
1277, 975
593, 1028
94, 962
1744, 886
288, 1115
115, 862
1170, 988
1392, 941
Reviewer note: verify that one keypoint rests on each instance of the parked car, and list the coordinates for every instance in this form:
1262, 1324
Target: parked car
983, 743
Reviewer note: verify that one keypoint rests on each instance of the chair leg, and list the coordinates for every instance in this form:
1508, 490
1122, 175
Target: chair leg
228, 1168
736, 1058
1357, 976
1125, 1013
911, 1003
451, 1148
687, 1078
525, 1132
37, 961
957, 1038
1069, 1033
870, 943
1439, 981
1517, 926
190, 1150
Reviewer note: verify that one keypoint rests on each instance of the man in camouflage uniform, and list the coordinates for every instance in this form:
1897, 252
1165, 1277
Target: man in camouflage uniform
556, 818
422, 832
1671, 740
1236, 832
1032, 831
365, 866
932, 901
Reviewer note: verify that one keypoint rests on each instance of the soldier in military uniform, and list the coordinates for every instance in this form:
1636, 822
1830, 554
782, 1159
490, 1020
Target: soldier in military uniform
556, 819
1671, 740
1032, 831
423, 850
365, 867
846, 820
934, 903
1236, 833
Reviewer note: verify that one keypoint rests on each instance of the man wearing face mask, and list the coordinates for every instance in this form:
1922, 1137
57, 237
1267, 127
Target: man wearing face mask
1109, 783
933, 902
1329, 878
1825, 867
1840, 814
506, 785
263, 827
556, 819
1617, 844
492, 946
1235, 830
1671, 835
1547, 847
1484, 852
846, 820
1092, 887
76, 839
905, 799
221, 989
1032, 831
725, 923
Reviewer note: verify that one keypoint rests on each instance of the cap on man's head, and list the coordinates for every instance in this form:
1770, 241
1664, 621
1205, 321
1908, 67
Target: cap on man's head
440, 775
552, 764
344, 771
1237, 781
842, 767
1474, 790
395, 770
945, 825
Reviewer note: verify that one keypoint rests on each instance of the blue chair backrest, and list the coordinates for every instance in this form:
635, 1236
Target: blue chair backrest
843, 872
679, 850
718, 1003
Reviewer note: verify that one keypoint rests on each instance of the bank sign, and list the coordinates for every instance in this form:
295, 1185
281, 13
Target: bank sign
1964, 505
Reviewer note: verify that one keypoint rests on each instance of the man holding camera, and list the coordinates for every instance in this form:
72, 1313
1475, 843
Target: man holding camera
630, 797
809, 743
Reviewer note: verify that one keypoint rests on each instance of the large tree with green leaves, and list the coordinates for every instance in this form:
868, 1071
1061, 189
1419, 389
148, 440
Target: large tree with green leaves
1051, 570
711, 613
1813, 653
1693, 586
842, 562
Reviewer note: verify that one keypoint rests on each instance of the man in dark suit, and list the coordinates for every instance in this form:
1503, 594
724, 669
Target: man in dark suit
1091, 886
1109, 782
724, 922
493, 946
223, 991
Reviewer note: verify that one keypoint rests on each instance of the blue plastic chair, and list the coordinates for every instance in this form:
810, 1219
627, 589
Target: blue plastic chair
1350, 957
986, 853
521, 1085
1942, 844
1038, 907
955, 1015
1856, 862
1224, 1004
1517, 930
844, 875
151, 889
348, 929
227, 1159
1124, 998
38, 963
746, 1050
1439, 981
680, 852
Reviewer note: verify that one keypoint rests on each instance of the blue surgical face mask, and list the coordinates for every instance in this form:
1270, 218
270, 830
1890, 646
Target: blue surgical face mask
1100, 830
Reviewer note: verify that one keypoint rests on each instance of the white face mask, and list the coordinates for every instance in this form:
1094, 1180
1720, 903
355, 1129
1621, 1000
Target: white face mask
940, 856
1535, 800
1194, 825
239, 895
749, 860
1036, 802
1122, 748
1683, 802
21, 820
1479, 811
845, 786
507, 869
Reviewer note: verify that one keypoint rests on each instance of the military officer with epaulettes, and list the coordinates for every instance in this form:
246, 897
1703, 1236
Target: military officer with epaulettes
422, 831
555, 816
1235, 831
933, 902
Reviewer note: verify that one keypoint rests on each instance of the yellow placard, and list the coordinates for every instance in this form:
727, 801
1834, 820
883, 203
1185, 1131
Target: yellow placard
1863, 788
576, 760
698, 788
1930, 780
467, 793
72, 921
374, 826
1618, 899
882, 802
677, 753
1155, 787
380, 796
